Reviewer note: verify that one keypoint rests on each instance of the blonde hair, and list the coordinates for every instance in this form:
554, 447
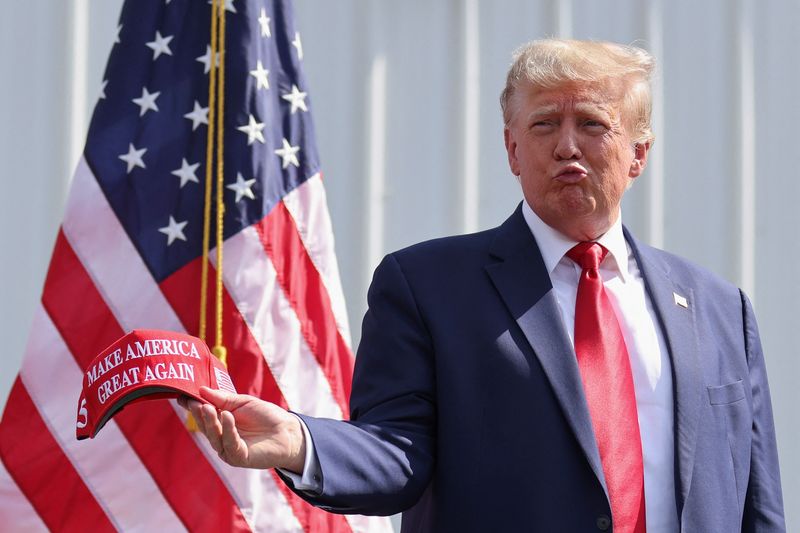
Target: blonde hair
549, 63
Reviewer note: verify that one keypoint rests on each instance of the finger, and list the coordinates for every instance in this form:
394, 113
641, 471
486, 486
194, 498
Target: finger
195, 408
188, 403
211, 426
222, 400
235, 449
214, 396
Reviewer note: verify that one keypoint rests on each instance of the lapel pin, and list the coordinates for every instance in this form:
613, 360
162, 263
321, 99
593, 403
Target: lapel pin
680, 300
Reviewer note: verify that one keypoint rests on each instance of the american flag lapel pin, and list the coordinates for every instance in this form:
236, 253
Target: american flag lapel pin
680, 300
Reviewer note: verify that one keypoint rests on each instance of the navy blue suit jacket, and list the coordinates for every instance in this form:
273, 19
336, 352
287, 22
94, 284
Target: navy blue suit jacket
468, 412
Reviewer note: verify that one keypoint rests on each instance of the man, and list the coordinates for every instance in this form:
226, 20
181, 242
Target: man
550, 374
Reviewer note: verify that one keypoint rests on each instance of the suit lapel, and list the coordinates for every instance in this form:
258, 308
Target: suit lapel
680, 332
522, 280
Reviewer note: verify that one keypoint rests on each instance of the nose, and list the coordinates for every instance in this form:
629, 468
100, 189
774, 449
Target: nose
567, 145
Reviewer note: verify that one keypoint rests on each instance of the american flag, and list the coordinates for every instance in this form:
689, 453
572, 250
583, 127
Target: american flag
128, 255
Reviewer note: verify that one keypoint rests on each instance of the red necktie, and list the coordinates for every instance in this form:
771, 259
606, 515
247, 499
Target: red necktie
607, 380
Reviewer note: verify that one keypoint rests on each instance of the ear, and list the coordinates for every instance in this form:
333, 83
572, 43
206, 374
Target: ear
511, 150
639, 159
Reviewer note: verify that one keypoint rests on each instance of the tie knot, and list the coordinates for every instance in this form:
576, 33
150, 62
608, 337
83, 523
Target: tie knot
587, 254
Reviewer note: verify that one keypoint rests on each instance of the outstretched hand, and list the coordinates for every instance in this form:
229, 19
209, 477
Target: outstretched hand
247, 431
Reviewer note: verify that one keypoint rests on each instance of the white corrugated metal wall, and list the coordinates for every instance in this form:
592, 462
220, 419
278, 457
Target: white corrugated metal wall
405, 101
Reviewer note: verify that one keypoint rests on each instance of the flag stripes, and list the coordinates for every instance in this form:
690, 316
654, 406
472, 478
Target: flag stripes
110, 258
100, 462
301, 282
308, 206
87, 326
275, 327
246, 365
246, 358
42, 472
15, 507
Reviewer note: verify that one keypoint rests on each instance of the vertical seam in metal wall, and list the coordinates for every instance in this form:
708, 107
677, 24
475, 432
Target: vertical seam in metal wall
78, 74
376, 148
746, 141
471, 139
655, 178
564, 18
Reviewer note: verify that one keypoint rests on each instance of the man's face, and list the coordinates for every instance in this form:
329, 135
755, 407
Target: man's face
574, 155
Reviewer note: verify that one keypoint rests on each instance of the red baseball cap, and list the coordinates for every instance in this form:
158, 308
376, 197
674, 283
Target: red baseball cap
146, 365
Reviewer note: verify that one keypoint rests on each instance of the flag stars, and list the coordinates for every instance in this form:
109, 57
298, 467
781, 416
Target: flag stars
242, 188
198, 115
160, 45
296, 98
260, 74
174, 230
254, 130
147, 101
205, 59
116, 39
298, 45
134, 157
263, 21
288, 154
187, 172
103, 90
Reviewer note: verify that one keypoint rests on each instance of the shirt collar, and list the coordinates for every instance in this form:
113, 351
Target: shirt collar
553, 244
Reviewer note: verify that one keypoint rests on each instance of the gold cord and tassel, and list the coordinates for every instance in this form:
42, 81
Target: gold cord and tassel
216, 109
219, 349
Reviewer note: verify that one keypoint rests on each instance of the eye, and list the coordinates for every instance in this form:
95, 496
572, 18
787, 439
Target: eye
594, 126
543, 125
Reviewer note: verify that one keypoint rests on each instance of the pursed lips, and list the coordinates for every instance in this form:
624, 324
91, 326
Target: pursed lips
571, 174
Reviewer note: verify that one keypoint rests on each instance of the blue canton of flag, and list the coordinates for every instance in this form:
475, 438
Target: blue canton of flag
147, 138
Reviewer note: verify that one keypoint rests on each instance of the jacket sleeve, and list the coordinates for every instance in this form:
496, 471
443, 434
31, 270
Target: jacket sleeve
763, 507
382, 460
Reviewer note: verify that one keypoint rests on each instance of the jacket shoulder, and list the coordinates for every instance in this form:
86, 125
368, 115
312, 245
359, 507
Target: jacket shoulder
450, 247
686, 272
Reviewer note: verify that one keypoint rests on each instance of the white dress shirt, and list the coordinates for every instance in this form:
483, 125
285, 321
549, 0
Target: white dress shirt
650, 365
652, 375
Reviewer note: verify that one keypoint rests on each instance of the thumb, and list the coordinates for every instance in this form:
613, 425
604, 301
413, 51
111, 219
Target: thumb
222, 400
